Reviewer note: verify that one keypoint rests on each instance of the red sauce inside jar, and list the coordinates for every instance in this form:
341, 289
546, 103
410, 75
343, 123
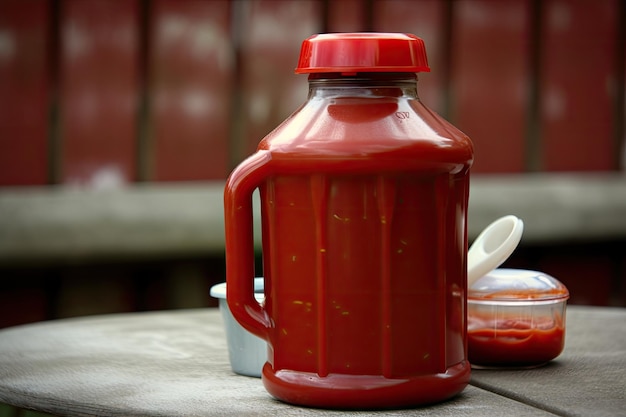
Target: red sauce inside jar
516, 318
514, 342
363, 196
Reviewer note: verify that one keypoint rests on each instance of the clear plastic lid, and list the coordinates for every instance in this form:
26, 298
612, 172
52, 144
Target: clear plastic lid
511, 285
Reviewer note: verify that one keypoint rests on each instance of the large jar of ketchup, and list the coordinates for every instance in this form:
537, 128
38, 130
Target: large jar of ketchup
364, 195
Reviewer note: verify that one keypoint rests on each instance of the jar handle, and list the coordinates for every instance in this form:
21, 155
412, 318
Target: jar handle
238, 224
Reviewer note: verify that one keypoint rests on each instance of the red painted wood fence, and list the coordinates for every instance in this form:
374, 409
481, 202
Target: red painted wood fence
106, 92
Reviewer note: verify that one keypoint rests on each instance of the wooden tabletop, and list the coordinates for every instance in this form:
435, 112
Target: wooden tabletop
175, 363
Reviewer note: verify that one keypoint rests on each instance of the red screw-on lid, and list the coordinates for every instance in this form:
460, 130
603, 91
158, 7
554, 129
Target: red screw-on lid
362, 52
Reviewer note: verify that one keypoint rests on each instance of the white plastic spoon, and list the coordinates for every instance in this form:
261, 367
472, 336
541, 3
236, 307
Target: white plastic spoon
493, 246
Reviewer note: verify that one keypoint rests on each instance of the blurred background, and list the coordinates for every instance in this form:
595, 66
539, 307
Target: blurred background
121, 119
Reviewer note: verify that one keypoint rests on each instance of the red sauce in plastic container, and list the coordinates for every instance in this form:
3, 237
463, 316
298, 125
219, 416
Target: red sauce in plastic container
516, 318
363, 196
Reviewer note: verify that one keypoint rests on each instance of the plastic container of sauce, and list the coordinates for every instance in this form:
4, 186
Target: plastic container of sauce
516, 318
363, 195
